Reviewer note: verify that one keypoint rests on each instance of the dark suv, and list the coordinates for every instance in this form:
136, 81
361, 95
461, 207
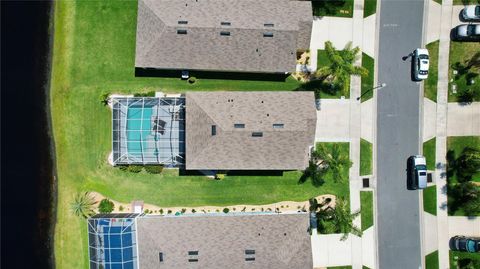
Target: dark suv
466, 244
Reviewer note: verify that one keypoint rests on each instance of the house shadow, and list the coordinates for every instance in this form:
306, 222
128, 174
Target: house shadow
152, 72
184, 172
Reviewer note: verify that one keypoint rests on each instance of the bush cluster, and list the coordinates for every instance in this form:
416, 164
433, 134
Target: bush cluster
106, 206
145, 94
154, 169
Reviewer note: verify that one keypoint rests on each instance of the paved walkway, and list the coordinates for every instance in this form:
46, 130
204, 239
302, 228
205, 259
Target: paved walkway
429, 119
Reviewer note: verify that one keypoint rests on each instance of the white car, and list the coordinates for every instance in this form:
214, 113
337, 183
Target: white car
467, 32
421, 64
471, 13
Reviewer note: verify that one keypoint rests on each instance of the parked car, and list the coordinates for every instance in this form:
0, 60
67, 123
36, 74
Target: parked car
416, 172
467, 244
421, 63
471, 13
467, 32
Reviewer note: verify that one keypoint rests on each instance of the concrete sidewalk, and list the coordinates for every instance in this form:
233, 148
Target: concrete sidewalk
463, 120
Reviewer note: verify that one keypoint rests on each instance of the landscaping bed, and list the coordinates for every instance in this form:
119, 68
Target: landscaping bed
369, 8
323, 90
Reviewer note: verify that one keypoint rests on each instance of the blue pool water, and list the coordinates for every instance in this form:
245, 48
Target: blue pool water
138, 129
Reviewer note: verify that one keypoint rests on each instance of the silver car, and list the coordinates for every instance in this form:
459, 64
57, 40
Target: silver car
471, 13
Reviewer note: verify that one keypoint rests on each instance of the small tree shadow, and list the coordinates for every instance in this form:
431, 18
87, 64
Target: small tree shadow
319, 86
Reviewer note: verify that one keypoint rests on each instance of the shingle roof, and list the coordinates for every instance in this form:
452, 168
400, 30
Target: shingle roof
203, 48
235, 148
279, 240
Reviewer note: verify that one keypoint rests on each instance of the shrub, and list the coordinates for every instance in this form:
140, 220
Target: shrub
154, 169
123, 167
161, 211
217, 210
219, 176
226, 210
105, 98
193, 210
234, 209
192, 80
134, 168
120, 208
184, 210
169, 212
106, 206
145, 94
244, 208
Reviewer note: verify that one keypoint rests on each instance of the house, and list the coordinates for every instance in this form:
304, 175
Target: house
233, 240
222, 35
249, 130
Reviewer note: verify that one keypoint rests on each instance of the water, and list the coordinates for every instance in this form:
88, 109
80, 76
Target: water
28, 186
138, 129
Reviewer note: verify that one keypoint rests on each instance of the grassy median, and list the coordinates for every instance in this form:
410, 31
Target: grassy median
366, 207
431, 261
430, 85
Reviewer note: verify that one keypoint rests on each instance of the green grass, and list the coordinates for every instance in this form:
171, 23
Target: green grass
460, 52
340, 267
366, 156
367, 82
369, 7
335, 8
431, 261
456, 144
430, 85
466, 2
94, 46
365, 267
430, 200
429, 153
322, 91
461, 255
366, 209
341, 188
439, 1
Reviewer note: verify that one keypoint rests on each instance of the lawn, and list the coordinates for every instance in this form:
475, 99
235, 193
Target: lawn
430, 200
455, 145
466, 2
367, 82
431, 261
369, 8
341, 188
335, 8
457, 255
440, 1
94, 46
430, 85
429, 153
366, 156
460, 53
340, 267
366, 209
322, 90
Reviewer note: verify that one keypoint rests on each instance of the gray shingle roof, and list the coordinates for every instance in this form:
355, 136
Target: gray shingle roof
203, 48
235, 148
280, 241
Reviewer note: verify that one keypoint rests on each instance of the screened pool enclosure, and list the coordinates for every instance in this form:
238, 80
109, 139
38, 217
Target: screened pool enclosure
148, 130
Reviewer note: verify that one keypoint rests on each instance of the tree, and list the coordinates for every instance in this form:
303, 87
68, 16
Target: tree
106, 206
314, 172
467, 164
336, 220
82, 205
467, 196
333, 160
341, 66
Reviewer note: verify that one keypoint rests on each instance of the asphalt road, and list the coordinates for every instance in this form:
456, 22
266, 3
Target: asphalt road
398, 111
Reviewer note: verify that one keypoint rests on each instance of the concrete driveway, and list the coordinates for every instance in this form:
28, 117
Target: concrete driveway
463, 119
333, 120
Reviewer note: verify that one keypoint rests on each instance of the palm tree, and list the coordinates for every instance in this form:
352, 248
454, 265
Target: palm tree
343, 219
333, 160
337, 219
82, 205
315, 173
468, 163
341, 66
467, 196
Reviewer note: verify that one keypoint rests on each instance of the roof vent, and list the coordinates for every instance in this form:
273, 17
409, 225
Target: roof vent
224, 33
181, 32
182, 22
268, 34
225, 23
278, 125
239, 125
257, 134
268, 24
214, 129
160, 256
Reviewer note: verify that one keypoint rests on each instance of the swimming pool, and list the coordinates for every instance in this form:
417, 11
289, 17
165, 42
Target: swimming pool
138, 129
